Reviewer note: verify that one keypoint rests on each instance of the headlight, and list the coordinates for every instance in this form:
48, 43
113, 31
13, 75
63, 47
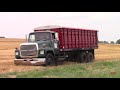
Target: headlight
16, 53
41, 51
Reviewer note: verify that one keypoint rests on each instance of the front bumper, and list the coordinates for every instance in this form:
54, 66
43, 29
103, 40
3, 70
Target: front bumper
33, 61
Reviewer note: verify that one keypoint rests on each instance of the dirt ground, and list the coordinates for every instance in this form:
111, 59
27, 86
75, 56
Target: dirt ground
7, 47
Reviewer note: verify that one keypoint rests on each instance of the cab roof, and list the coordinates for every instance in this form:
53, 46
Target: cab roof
47, 27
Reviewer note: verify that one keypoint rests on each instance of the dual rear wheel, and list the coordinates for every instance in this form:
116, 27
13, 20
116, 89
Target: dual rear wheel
84, 57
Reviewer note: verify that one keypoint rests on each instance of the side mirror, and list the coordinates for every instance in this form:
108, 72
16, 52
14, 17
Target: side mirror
26, 36
56, 36
44, 45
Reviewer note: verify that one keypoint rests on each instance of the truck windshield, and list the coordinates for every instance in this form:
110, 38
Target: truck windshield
39, 36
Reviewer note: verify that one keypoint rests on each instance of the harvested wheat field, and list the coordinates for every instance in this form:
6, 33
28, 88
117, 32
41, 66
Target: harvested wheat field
108, 52
7, 47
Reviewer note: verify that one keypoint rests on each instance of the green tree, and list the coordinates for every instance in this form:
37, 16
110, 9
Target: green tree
118, 41
101, 41
106, 42
112, 42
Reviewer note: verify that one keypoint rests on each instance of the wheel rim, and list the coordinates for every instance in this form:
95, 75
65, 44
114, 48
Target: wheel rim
91, 58
84, 58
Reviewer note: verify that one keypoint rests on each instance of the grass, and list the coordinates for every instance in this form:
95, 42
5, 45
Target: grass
103, 69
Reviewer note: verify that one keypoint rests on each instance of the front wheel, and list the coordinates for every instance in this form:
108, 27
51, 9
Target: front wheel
49, 60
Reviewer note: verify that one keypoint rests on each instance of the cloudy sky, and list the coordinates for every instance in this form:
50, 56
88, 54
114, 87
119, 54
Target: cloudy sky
18, 24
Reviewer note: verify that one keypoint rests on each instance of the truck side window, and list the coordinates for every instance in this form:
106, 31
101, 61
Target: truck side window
53, 35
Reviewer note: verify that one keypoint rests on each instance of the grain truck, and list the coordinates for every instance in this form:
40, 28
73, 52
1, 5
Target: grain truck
49, 44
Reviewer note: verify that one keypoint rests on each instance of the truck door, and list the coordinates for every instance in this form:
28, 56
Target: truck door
55, 42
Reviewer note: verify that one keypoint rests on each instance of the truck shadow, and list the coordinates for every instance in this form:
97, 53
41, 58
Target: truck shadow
62, 63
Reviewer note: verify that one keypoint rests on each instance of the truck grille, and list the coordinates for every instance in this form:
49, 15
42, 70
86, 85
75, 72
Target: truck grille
28, 50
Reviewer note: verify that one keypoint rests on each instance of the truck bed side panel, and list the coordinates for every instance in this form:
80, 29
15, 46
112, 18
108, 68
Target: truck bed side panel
77, 38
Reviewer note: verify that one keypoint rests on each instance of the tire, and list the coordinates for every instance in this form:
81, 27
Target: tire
82, 57
90, 57
49, 60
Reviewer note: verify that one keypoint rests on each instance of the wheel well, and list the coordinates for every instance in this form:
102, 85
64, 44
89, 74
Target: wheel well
50, 52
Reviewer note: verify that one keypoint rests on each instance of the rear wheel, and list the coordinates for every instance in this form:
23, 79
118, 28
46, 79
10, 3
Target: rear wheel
49, 60
82, 57
90, 57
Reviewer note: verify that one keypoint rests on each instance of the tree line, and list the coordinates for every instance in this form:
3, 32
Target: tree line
2, 37
111, 42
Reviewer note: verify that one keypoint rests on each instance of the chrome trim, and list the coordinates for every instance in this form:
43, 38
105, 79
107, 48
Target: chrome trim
29, 50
